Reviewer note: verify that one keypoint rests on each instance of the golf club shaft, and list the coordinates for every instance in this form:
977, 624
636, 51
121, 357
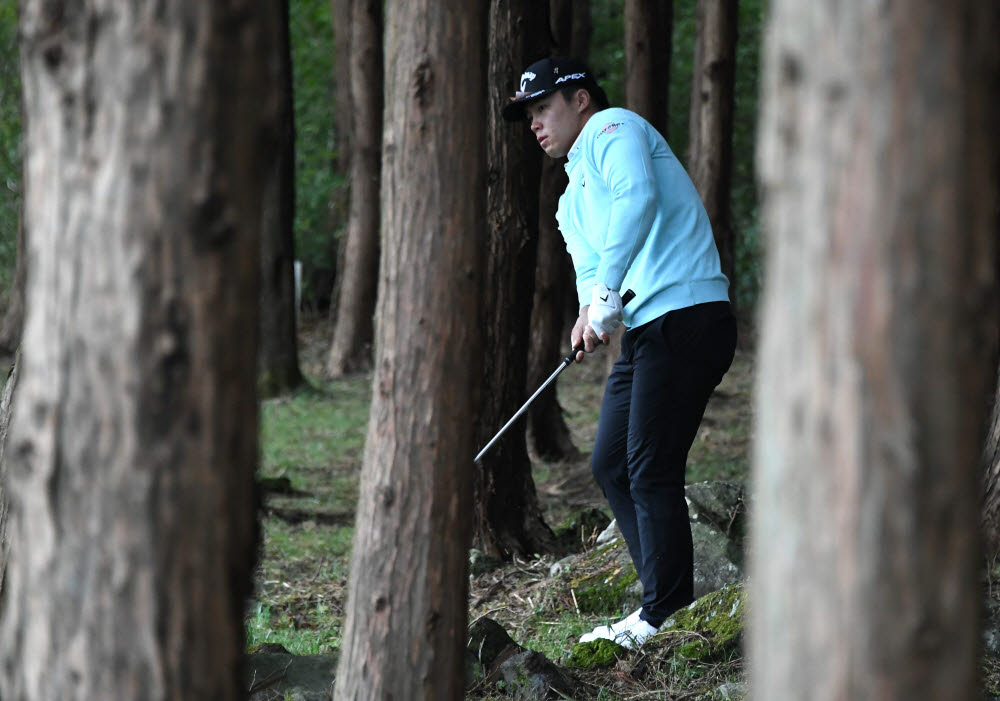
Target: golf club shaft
567, 361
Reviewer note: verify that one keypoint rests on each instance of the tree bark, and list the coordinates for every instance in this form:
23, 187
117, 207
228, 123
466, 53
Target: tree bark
555, 290
133, 441
878, 348
6, 406
648, 45
405, 627
991, 484
13, 319
278, 370
710, 156
508, 518
351, 350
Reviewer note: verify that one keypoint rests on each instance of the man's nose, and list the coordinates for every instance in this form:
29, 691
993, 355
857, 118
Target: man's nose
535, 124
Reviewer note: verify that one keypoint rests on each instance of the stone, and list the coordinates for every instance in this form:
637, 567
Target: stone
609, 534
721, 505
562, 566
530, 676
731, 690
714, 566
281, 675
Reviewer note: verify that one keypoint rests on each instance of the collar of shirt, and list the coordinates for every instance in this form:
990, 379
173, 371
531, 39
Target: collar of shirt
577, 144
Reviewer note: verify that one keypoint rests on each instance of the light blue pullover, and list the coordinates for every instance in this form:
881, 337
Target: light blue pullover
632, 219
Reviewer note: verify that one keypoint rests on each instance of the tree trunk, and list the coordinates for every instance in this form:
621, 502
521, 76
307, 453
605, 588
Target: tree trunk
343, 136
710, 156
648, 45
405, 627
134, 436
278, 370
6, 406
878, 348
13, 320
508, 518
555, 290
991, 483
351, 350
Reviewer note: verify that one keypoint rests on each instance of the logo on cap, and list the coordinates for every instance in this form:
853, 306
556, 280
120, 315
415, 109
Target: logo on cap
571, 76
525, 78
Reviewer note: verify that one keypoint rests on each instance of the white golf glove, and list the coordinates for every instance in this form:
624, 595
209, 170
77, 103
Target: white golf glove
605, 313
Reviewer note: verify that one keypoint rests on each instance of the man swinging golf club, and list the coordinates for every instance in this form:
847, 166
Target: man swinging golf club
632, 218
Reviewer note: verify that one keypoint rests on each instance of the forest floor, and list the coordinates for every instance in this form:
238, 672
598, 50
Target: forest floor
311, 446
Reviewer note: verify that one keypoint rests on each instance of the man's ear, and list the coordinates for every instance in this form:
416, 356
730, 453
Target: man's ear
581, 100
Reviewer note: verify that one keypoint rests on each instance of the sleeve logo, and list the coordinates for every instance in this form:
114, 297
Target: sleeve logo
610, 127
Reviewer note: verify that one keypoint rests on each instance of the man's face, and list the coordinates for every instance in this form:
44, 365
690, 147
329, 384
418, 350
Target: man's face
555, 122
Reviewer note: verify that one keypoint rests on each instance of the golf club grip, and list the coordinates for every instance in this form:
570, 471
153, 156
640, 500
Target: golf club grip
626, 298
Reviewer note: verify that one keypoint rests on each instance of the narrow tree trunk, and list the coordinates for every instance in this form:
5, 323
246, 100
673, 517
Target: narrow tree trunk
278, 370
343, 132
878, 348
991, 483
353, 328
13, 320
555, 290
710, 159
6, 406
134, 437
648, 42
509, 520
405, 627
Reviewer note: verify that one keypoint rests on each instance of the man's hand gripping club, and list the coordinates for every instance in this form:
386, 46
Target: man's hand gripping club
597, 321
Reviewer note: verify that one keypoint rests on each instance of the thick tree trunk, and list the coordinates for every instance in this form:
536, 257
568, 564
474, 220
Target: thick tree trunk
555, 290
353, 329
508, 518
405, 627
710, 159
133, 440
648, 45
877, 350
278, 370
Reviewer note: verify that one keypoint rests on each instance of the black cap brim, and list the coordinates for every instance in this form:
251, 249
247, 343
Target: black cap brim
513, 111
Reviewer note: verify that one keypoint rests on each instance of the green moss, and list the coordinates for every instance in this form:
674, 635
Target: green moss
605, 595
595, 654
717, 618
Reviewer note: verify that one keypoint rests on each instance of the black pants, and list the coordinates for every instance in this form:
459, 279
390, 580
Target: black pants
653, 403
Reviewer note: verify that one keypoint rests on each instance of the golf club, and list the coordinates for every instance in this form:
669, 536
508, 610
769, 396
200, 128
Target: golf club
567, 361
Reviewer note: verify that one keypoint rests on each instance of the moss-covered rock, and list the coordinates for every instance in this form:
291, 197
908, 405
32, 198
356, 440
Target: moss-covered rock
595, 654
717, 618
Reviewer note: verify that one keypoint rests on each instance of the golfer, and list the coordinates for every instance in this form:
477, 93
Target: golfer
632, 219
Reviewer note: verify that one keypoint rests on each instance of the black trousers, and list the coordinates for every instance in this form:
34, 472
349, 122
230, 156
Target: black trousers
653, 403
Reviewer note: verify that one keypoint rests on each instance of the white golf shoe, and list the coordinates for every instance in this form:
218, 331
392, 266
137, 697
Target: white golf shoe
630, 632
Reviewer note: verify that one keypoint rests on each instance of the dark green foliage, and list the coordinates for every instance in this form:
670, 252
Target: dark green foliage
320, 181
10, 145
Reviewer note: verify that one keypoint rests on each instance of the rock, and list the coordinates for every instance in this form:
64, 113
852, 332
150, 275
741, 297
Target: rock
717, 621
731, 690
281, 675
609, 534
488, 641
530, 676
714, 566
720, 505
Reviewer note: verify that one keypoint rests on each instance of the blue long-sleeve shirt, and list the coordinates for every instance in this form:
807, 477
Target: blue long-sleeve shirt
632, 219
